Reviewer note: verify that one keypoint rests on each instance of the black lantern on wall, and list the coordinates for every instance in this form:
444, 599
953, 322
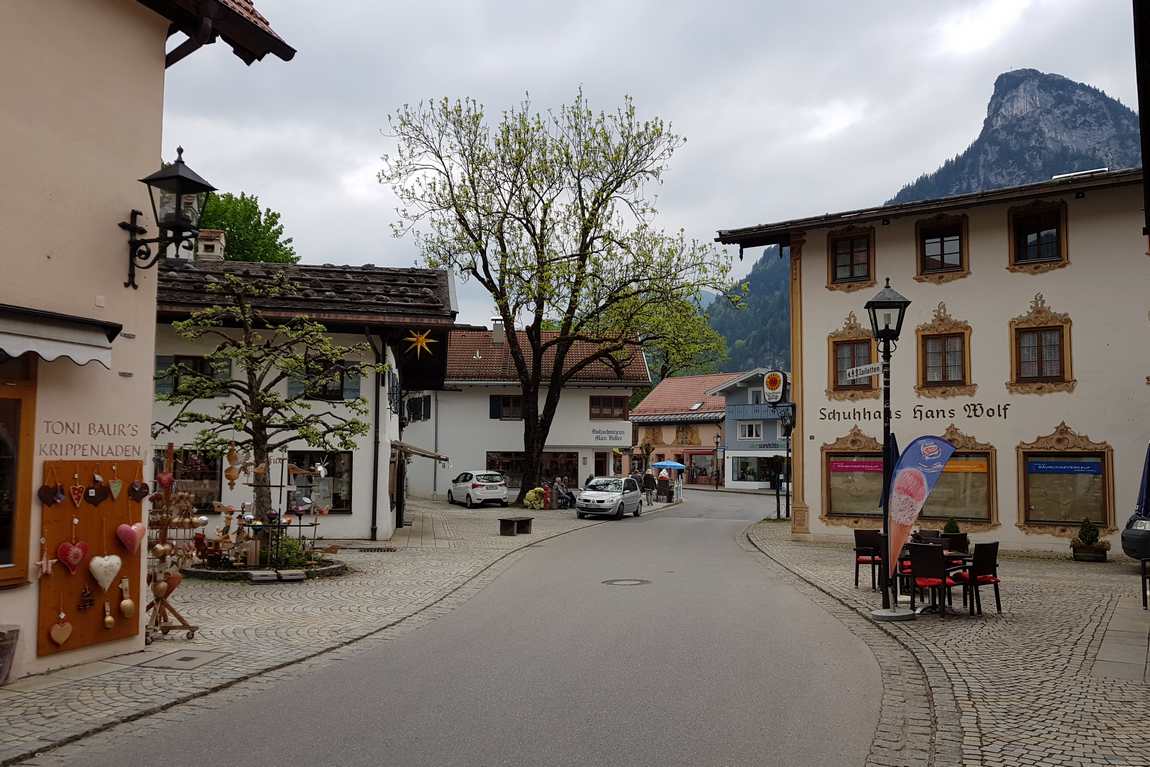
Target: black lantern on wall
179, 195
887, 311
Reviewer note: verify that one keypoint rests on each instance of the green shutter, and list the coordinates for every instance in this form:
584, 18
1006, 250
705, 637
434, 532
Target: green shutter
495, 406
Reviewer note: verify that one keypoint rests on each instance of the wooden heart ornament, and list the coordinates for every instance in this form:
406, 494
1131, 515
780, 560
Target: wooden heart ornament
77, 494
60, 632
105, 569
138, 490
131, 536
71, 555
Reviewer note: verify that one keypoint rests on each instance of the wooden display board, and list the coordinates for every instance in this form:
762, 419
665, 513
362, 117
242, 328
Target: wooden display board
62, 589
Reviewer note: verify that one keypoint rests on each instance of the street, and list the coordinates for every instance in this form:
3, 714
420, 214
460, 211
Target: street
707, 663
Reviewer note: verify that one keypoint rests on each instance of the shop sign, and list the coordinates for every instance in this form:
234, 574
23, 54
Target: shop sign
1064, 467
774, 385
609, 435
850, 467
89, 439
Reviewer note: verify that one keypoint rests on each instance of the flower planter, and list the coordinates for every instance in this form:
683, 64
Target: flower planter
1095, 552
8, 637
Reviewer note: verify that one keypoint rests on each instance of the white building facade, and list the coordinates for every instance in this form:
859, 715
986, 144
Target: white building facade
1024, 344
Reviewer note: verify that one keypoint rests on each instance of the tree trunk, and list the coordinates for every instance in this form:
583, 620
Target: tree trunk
532, 443
262, 493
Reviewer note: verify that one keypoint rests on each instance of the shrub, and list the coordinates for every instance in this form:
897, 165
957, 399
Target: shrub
951, 526
534, 498
1088, 534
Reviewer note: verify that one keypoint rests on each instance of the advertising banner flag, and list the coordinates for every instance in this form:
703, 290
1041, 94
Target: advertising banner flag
912, 481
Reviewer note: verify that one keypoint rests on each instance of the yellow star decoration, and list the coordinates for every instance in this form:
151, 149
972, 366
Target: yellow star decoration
420, 342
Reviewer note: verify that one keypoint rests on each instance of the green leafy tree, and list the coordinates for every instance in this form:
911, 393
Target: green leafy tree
252, 235
552, 214
240, 397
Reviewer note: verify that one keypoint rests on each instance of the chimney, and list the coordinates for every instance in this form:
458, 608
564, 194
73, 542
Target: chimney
498, 332
210, 245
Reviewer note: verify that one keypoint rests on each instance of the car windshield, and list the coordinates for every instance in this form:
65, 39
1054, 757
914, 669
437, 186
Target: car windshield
606, 485
492, 477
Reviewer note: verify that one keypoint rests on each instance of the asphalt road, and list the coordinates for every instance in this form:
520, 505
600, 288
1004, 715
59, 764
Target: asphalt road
710, 663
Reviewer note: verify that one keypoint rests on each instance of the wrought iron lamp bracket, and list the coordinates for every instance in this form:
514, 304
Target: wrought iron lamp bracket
140, 252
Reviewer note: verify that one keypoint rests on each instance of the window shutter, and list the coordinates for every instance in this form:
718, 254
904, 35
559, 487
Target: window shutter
427, 407
295, 387
165, 382
495, 406
351, 385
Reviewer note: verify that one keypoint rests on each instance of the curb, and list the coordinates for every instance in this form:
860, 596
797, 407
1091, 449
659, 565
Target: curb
33, 753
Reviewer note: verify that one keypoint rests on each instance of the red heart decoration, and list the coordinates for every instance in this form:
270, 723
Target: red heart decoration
72, 555
131, 535
96, 494
47, 495
173, 580
77, 494
165, 480
138, 490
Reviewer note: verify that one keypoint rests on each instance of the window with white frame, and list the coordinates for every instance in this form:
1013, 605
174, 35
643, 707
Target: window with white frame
750, 429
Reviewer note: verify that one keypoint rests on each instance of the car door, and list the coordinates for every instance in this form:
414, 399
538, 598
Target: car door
459, 486
630, 495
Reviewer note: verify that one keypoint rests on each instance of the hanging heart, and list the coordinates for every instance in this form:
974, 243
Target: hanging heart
71, 555
47, 495
138, 490
130, 536
165, 480
114, 487
96, 494
173, 580
60, 632
77, 494
105, 569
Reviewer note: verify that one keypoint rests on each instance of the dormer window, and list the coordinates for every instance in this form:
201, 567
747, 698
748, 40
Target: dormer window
696, 406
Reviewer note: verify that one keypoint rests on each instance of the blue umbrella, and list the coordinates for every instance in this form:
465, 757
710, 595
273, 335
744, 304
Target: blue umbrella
668, 465
1142, 508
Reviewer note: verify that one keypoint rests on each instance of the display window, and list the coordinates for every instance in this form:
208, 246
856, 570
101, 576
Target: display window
854, 483
334, 491
1065, 488
964, 490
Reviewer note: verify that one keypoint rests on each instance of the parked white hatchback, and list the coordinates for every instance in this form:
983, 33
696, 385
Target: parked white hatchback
475, 488
609, 495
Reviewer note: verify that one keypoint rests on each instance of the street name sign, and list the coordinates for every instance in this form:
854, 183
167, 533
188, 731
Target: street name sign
864, 371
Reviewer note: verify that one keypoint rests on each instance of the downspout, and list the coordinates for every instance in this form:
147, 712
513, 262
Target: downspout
435, 443
376, 394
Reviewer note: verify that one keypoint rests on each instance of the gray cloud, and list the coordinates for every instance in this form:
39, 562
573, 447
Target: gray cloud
788, 108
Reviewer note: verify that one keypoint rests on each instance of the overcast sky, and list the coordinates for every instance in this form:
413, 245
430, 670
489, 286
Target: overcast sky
789, 108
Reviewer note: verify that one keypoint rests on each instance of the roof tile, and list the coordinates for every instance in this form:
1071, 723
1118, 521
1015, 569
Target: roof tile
473, 355
676, 395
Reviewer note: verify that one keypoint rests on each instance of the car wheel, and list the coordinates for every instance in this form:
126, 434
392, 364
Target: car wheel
580, 515
639, 509
503, 503
619, 511
468, 502
450, 498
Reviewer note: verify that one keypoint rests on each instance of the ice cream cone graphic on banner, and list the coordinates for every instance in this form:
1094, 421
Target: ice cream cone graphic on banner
914, 477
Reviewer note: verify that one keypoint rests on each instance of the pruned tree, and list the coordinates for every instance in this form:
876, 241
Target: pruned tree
240, 395
253, 234
552, 214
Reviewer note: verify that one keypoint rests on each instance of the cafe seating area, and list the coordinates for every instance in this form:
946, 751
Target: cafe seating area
930, 566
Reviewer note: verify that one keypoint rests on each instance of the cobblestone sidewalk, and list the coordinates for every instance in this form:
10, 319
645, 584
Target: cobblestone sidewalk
248, 630
1028, 687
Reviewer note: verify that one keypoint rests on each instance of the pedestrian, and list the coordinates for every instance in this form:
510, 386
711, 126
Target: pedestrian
649, 487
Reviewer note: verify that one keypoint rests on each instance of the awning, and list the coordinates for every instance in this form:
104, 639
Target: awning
50, 335
404, 447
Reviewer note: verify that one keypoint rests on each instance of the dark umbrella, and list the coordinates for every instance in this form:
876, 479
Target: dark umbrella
892, 459
1141, 508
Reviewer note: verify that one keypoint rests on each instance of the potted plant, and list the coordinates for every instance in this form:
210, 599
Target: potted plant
1087, 546
956, 540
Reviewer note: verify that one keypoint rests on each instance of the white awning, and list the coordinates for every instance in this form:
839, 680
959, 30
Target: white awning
50, 336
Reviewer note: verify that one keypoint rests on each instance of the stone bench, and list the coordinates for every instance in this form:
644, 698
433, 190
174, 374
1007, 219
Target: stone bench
515, 525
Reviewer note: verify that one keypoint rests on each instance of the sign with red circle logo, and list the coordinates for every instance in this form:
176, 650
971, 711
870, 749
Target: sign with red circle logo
774, 384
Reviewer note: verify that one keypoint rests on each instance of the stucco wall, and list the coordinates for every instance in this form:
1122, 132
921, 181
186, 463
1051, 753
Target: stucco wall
84, 89
1105, 291
467, 433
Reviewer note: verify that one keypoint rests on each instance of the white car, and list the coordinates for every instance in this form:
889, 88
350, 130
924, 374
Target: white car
609, 495
475, 488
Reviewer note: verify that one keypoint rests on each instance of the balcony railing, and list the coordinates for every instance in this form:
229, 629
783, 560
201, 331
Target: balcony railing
752, 412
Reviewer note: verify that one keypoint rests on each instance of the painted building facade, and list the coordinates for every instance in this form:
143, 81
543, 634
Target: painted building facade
76, 345
755, 449
681, 419
1024, 345
476, 420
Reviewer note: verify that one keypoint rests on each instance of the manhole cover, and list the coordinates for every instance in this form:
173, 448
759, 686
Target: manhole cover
625, 582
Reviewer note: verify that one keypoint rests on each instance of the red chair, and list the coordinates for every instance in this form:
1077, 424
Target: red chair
868, 551
983, 571
928, 572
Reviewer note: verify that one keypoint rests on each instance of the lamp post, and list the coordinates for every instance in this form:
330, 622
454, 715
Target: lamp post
887, 311
787, 419
715, 468
178, 195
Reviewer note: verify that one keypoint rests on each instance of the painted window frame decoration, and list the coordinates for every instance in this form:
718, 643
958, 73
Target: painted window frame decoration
1040, 316
943, 324
1019, 214
854, 283
967, 447
851, 331
927, 226
1064, 441
854, 446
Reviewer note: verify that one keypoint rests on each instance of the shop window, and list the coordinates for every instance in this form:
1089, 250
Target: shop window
852, 476
506, 407
750, 430
1038, 237
608, 407
17, 424
942, 249
343, 385
334, 491
1065, 477
850, 259
171, 368
850, 346
1040, 351
756, 468
967, 489
196, 472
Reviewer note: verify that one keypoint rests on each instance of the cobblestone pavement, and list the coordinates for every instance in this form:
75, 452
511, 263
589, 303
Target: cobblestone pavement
249, 630
1023, 688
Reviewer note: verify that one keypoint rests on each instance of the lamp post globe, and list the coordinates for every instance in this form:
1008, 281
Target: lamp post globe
179, 195
887, 311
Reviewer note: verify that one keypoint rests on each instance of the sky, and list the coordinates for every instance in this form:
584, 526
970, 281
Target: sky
788, 108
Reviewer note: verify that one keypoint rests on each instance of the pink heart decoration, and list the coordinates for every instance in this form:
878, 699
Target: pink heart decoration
165, 480
131, 535
71, 555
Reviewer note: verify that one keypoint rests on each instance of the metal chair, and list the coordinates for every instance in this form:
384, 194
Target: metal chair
868, 551
983, 571
928, 572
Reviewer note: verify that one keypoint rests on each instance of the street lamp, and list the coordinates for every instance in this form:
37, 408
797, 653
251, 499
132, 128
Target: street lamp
718, 441
787, 419
178, 195
887, 311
